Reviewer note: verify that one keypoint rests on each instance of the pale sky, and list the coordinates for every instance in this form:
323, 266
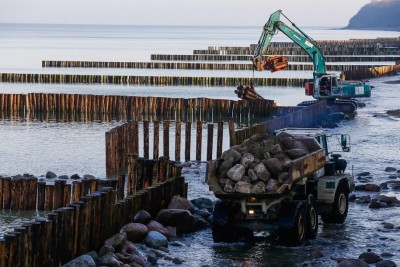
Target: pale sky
179, 12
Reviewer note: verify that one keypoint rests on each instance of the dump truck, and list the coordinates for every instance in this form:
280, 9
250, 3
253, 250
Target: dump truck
278, 184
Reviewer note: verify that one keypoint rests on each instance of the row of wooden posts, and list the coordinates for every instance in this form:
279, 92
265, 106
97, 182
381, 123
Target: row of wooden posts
185, 65
372, 72
123, 140
323, 44
84, 225
27, 193
291, 58
144, 80
134, 107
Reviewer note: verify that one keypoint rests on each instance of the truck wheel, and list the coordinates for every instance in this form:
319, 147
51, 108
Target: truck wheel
292, 225
311, 221
340, 206
222, 230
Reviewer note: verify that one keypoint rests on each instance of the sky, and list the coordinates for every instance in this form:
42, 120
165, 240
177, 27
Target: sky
178, 12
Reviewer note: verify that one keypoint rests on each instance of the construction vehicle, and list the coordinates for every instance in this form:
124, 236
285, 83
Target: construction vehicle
338, 93
316, 185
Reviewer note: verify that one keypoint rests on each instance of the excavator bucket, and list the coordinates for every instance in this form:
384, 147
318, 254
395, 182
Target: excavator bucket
274, 63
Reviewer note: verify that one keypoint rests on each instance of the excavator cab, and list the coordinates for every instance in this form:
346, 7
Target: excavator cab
326, 86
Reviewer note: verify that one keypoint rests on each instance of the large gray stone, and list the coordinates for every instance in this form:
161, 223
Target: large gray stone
51, 175
369, 257
272, 186
158, 227
142, 216
259, 187
385, 263
247, 159
156, 240
229, 186
117, 241
274, 166
110, 260
262, 172
295, 153
252, 174
353, 263
183, 220
243, 187
224, 168
135, 232
203, 203
178, 202
232, 155
236, 172
81, 261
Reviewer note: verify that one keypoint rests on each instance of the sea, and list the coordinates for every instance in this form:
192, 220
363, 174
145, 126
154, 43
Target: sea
35, 146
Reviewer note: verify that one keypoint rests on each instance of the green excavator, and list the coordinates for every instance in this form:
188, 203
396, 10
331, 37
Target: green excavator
338, 93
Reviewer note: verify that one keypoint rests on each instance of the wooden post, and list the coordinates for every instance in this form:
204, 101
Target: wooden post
146, 139
33, 185
49, 197
166, 138
156, 139
199, 137
188, 133
220, 137
59, 193
232, 136
7, 193
41, 195
132, 173
76, 191
121, 184
178, 141
210, 139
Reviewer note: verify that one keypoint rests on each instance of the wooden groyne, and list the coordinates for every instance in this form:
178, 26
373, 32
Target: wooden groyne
291, 58
186, 65
123, 140
372, 72
378, 46
145, 80
84, 225
133, 107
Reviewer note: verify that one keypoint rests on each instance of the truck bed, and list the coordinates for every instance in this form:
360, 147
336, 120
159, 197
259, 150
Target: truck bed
299, 168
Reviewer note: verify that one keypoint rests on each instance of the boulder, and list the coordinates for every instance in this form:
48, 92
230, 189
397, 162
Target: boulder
387, 225
252, 174
158, 227
203, 203
353, 263
274, 166
81, 261
110, 259
364, 199
229, 186
363, 174
232, 155
135, 232
183, 220
247, 159
276, 149
390, 169
200, 222
156, 240
369, 257
259, 187
283, 177
178, 202
262, 172
286, 140
204, 213
295, 153
88, 176
243, 187
50, 175
246, 179
117, 241
375, 205
224, 168
106, 249
385, 263
236, 172
142, 216
63, 177
272, 186
75, 176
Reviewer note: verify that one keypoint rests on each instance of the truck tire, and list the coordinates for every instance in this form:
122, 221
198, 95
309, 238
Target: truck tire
292, 224
222, 230
311, 221
340, 205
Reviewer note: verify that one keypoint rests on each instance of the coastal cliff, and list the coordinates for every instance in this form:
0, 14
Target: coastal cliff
377, 15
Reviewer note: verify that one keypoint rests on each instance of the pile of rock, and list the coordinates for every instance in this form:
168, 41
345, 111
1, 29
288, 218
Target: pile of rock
261, 164
144, 241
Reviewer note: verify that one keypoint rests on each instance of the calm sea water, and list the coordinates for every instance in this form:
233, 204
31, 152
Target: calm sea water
36, 146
